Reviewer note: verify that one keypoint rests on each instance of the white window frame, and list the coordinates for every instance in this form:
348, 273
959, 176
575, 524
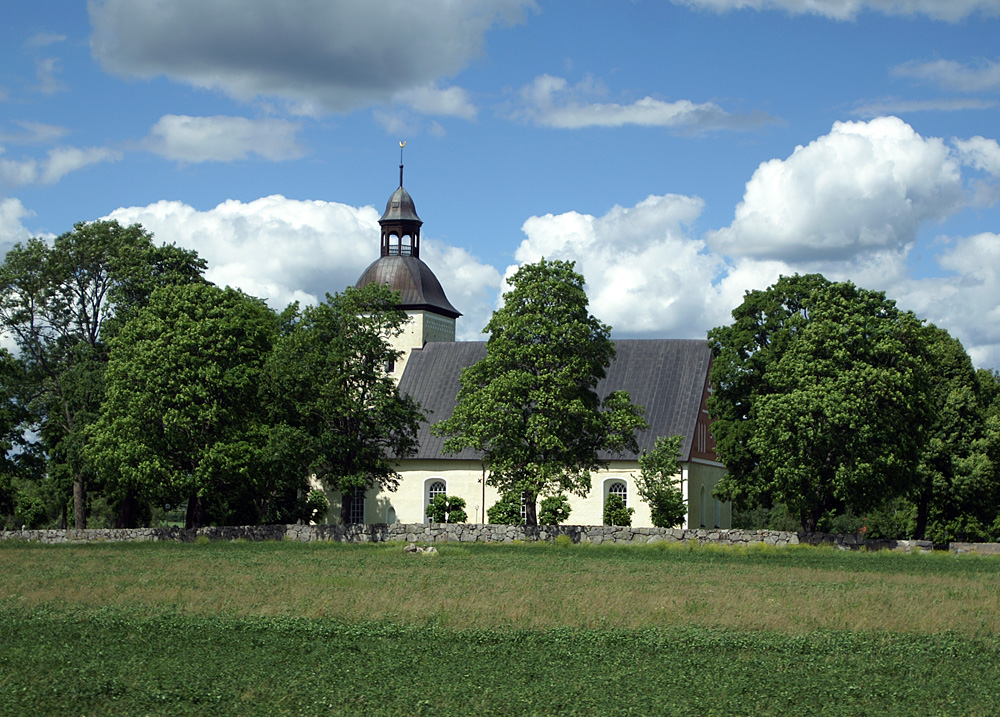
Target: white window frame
431, 492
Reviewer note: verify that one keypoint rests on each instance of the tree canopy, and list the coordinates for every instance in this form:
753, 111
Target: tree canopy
820, 398
658, 482
531, 405
182, 420
326, 382
60, 302
959, 474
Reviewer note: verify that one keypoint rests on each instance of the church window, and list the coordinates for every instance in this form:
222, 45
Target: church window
619, 489
434, 489
355, 507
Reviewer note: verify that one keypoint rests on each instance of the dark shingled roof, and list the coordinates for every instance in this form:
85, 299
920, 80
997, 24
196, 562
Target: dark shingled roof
413, 279
400, 207
667, 376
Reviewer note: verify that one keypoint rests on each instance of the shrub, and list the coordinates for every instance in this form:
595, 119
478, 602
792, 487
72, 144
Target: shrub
554, 510
506, 511
317, 505
447, 509
615, 512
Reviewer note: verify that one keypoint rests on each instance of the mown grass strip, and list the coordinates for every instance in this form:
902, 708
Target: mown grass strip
116, 661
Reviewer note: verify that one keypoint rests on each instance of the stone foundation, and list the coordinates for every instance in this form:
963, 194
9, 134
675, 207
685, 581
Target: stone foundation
467, 533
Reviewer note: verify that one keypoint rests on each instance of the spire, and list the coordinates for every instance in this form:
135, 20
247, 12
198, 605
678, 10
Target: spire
402, 143
400, 223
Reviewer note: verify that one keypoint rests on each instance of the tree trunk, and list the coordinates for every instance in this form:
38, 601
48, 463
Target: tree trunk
128, 511
195, 517
923, 506
345, 507
530, 512
79, 503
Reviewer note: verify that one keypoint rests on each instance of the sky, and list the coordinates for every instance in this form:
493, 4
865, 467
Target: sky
681, 152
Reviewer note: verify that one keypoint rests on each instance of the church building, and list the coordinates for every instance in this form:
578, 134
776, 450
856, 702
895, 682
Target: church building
668, 377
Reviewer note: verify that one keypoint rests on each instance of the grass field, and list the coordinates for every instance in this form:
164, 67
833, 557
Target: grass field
289, 628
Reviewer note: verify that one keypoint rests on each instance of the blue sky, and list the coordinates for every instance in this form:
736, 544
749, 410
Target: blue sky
682, 152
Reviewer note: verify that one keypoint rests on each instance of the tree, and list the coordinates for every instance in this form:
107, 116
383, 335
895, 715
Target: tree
326, 383
447, 509
61, 303
820, 398
959, 486
658, 483
182, 418
531, 405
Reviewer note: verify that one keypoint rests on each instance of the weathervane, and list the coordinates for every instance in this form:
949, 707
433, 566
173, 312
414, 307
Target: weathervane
402, 143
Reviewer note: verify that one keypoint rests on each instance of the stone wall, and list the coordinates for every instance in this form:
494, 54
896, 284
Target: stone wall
463, 533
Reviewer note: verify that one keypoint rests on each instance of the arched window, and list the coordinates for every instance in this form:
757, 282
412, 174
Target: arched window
435, 487
619, 489
702, 507
717, 510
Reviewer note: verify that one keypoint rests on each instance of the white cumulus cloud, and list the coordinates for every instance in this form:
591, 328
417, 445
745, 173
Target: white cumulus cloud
12, 230
980, 153
644, 275
862, 189
286, 250
223, 139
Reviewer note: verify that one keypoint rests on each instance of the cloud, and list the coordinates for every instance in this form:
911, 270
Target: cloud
980, 153
852, 195
966, 303
951, 75
644, 275
223, 139
286, 250
430, 100
947, 10
59, 162
44, 40
892, 106
12, 230
34, 132
317, 55
46, 70
551, 102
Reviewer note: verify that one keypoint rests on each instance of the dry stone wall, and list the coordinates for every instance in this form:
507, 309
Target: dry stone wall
464, 533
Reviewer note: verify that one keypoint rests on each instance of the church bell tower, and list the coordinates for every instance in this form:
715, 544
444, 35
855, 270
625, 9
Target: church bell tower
431, 315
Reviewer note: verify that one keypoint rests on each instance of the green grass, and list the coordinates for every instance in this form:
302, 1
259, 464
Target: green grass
286, 628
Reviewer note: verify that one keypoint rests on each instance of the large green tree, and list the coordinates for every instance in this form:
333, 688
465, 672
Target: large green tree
531, 405
327, 385
60, 302
183, 419
959, 486
820, 398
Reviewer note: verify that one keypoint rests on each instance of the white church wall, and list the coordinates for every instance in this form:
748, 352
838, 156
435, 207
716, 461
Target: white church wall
421, 327
704, 511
